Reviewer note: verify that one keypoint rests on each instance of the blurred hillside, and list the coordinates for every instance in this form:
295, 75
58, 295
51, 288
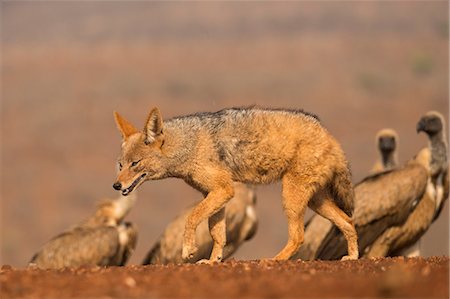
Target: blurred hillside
66, 66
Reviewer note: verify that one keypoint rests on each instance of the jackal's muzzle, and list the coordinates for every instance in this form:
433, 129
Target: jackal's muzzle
126, 191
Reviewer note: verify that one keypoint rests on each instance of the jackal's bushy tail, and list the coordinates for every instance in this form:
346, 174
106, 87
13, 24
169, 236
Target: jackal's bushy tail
341, 189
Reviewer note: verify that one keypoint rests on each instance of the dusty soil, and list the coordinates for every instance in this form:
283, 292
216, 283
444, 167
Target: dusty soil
390, 277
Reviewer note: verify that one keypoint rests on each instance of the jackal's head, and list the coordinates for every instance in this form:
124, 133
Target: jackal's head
141, 154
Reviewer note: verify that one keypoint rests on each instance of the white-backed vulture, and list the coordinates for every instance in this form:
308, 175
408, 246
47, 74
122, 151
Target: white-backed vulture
387, 142
384, 225
381, 201
241, 225
103, 239
397, 239
318, 228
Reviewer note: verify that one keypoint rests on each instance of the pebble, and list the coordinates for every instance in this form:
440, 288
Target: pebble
426, 271
130, 282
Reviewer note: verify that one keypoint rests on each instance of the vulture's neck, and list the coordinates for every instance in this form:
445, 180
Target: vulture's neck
389, 159
438, 147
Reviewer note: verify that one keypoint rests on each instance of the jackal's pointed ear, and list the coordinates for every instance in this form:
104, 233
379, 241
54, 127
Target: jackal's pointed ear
153, 125
125, 128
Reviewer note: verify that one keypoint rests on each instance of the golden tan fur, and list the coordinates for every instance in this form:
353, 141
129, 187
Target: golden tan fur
257, 146
103, 240
387, 142
241, 225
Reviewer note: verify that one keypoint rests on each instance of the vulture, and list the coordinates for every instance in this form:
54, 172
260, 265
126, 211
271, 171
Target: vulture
398, 239
381, 200
387, 142
103, 239
394, 208
241, 225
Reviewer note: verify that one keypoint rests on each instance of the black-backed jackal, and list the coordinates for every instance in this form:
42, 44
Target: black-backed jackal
250, 145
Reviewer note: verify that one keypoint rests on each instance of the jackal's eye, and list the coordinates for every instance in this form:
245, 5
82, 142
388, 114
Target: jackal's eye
135, 163
120, 166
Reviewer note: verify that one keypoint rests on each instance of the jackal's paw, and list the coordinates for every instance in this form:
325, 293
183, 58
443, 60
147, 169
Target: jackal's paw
208, 262
188, 252
349, 258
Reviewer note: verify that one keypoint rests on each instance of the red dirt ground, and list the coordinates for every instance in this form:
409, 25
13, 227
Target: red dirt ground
390, 277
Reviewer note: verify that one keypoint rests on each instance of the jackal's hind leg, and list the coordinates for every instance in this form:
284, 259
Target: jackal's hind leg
323, 205
295, 200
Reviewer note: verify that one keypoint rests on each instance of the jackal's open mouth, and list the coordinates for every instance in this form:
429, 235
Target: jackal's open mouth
133, 185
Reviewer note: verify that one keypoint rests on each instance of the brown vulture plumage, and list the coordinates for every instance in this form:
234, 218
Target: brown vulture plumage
393, 209
102, 240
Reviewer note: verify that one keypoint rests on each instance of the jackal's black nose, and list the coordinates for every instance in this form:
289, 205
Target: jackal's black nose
117, 186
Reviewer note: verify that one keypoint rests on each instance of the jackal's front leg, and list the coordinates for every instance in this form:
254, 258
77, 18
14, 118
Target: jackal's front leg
212, 208
217, 229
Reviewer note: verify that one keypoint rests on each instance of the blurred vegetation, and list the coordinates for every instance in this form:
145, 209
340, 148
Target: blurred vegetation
373, 83
422, 64
443, 29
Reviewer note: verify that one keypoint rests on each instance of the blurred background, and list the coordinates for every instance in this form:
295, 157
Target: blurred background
361, 66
